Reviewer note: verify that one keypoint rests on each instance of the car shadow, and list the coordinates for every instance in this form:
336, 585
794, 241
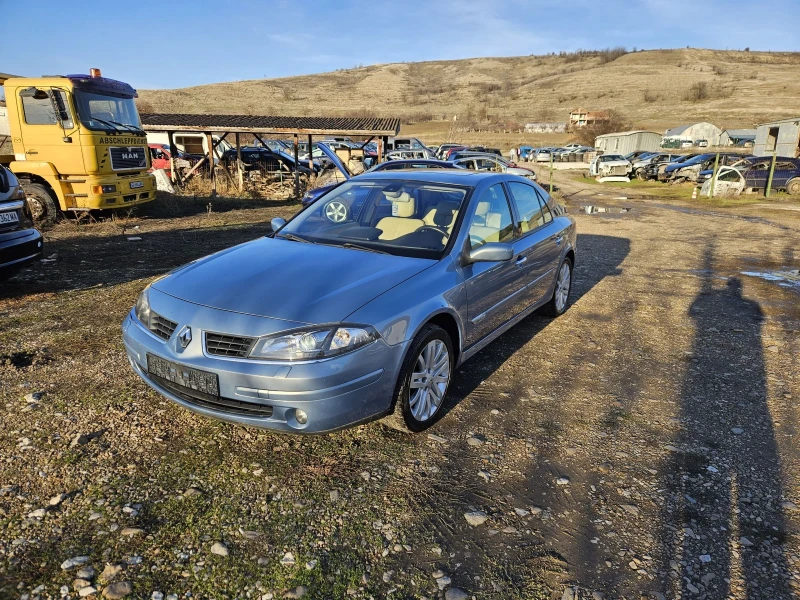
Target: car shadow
607, 254
88, 261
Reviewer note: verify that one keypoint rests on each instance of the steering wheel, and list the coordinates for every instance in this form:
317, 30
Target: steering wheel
441, 230
336, 211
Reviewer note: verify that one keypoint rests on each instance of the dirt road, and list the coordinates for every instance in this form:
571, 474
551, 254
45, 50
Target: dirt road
642, 445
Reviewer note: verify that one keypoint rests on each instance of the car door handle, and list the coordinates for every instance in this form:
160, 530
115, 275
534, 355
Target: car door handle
521, 260
557, 239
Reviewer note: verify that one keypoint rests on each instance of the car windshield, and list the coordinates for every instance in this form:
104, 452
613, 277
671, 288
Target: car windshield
406, 218
102, 112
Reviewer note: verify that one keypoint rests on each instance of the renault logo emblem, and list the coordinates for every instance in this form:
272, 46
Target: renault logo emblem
185, 336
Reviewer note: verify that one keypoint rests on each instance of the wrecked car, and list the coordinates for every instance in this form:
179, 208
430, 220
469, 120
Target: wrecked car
609, 165
735, 180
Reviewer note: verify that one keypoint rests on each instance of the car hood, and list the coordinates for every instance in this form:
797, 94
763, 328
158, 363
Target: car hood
293, 281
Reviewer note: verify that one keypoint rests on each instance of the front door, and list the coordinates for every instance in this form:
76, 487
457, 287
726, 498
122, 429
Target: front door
44, 139
494, 289
541, 238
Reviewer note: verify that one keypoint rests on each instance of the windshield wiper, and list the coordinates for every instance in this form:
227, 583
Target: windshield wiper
129, 126
364, 248
294, 238
111, 123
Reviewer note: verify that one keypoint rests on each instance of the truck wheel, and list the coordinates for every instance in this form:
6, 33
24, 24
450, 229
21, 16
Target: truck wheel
793, 187
43, 207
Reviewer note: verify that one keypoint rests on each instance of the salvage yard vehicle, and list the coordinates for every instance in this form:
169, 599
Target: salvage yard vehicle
639, 165
689, 170
609, 165
20, 243
264, 159
656, 170
734, 180
393, 165
192, 143
490, 162
78, 144
398, 143
374, 312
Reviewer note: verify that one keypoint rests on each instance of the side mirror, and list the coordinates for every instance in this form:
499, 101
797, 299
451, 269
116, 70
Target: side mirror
35, 93
277, 223
491, 252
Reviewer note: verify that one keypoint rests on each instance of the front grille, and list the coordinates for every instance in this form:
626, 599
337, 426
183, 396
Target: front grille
228, 345
216, 403
162, 327
124, 157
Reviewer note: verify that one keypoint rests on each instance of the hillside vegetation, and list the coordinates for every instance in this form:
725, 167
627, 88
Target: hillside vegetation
652, 89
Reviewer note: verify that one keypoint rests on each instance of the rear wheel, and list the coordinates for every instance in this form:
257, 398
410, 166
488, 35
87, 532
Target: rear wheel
560, 299
41, 203
793, 187
423, 381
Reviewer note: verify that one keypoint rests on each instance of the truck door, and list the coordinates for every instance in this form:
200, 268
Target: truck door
49, 130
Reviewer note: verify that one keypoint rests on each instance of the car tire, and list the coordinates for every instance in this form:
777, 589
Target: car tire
41, 204
418, 404
793, 187
559, 301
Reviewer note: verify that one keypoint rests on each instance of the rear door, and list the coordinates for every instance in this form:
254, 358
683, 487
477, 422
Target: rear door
495, 290
540, 240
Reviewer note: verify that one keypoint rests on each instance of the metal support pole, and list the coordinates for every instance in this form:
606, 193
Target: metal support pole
210, 140
239, 164
172, 152
714, 176
551, 171
296, 169
771, 171
310, 155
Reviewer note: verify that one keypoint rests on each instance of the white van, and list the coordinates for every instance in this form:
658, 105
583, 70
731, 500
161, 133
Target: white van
189, 142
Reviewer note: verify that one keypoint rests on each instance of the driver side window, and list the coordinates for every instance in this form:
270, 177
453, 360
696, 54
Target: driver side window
491, 220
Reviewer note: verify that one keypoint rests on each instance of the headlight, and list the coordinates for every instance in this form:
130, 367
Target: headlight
104, 189
143, 307
314, 343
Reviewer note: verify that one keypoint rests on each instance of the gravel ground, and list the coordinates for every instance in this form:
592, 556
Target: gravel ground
643, 445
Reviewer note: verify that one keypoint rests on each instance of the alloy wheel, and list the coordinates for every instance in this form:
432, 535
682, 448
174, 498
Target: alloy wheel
562, 286
336, 212
429, 380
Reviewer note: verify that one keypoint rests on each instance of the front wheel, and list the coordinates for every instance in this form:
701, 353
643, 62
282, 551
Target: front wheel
560, 300
423, 381
793, 187
41, 203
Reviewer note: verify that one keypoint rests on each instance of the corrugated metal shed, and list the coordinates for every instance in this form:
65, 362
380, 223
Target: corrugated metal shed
269, 125
781, 136
625, 142
695, 131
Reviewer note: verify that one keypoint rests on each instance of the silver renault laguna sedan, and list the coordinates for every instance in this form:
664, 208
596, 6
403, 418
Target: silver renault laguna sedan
360, 307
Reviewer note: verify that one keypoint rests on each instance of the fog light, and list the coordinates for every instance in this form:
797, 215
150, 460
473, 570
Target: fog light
103, 189
301, 416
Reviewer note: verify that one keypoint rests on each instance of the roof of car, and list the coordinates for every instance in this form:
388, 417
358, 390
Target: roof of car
452, 176
411, 161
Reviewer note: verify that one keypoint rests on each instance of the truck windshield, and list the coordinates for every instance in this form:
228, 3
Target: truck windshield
103, 113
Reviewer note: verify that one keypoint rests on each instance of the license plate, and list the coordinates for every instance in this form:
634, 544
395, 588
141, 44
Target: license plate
194, 379
136, 184
9, 217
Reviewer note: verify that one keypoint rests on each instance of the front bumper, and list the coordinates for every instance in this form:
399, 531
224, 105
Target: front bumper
335, 393
124, 196
18, 248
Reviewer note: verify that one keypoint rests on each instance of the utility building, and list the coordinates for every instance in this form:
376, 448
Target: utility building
625, 142
736, 137
781, 137
674, 138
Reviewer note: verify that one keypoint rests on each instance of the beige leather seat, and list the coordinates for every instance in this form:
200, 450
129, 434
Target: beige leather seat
490, 232
401, 222
430, 218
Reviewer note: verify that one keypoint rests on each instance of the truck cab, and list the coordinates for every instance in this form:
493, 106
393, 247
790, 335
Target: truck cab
77, 144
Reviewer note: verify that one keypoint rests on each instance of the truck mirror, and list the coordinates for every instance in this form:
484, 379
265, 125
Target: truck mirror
33, 92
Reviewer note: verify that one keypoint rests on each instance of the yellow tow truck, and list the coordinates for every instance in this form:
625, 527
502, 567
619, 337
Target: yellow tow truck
77, 143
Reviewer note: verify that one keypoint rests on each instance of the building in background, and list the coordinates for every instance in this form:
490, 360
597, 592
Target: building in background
625, 142
737, 137
696, 132
781, 137
580, 117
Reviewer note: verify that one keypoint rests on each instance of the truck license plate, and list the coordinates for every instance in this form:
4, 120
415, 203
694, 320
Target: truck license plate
9, 217
136, 184
194, 379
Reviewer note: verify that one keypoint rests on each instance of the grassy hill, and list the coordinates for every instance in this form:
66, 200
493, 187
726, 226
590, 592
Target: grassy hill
653, 89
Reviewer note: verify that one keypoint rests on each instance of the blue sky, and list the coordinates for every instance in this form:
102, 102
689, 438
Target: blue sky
178, 43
